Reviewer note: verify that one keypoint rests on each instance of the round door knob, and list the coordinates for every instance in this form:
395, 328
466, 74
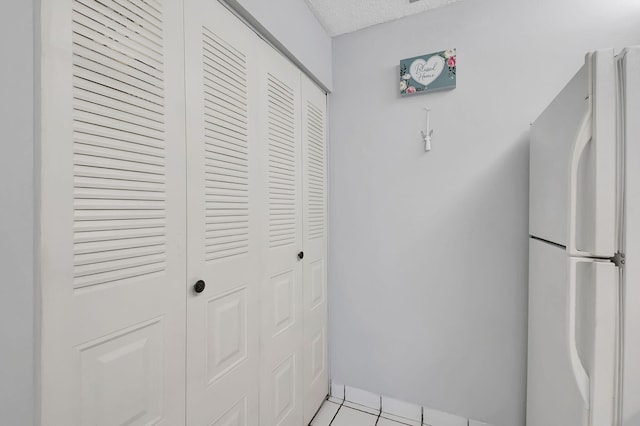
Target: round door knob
199, 286
300, 255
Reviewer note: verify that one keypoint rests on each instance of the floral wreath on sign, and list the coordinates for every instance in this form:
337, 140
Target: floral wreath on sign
449, 56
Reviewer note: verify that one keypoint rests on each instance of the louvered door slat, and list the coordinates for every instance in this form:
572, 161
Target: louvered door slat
113, 137
104, 257
152, 8
316, 198
279, 136
224, 55
140, 12
228, 52
218, 106
102, 107
100, 44
117, 14
121, 224
100, 124
97, 100
224, 96
224, 129
87, 29
86, 12
226, 119
150, 118
103, 150
216, 72
94, 90
92, 193
118, 80
119, 264
218, 110
219, 85
87, 47
117, 244
283, 173
95, 161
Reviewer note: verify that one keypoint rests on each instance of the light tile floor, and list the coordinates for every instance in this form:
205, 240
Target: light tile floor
336, 413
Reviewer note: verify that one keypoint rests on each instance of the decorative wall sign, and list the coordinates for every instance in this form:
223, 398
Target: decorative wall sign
428, 73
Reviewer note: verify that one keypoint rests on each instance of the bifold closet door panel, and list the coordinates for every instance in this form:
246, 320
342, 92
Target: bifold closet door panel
316, 374
112, 219
223, 217
281, 294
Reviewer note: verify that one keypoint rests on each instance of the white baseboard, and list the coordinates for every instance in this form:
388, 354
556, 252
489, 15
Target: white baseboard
401, 409
477, 423
439, 418
362, 397
337, 391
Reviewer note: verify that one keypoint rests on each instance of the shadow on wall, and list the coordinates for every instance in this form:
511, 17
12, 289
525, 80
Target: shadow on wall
436, 313
635, 420
496, 344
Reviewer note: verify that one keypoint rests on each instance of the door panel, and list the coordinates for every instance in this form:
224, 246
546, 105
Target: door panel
562, 169
281, 296
223, 220
315, 368
552, 139
553, 399
573, 338
112, 197
123, 370
604, 331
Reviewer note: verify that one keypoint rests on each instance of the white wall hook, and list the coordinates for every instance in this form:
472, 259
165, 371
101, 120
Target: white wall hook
426, 136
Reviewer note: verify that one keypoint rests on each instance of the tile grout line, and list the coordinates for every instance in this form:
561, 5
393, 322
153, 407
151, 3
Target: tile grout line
344, 396
316, 414
360, 410
379, 411
379, 414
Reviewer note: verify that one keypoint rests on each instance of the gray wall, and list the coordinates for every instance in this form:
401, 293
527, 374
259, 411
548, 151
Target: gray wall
428, 252
17, 195
296, 30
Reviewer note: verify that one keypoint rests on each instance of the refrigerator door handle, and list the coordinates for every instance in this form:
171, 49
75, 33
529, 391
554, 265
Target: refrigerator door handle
579, 372
585, 133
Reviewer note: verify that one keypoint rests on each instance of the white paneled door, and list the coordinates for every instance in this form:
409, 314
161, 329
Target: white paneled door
281, 293
315, 370
112, 213
183, 220
223, 218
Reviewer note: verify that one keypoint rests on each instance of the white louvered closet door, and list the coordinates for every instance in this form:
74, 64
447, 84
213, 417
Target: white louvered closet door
281, 295
315, 370
112, 213
222, 320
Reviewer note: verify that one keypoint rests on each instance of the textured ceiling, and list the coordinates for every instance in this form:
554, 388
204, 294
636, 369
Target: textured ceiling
345, 16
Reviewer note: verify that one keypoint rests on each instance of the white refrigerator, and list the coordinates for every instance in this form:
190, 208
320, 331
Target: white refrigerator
584, 259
